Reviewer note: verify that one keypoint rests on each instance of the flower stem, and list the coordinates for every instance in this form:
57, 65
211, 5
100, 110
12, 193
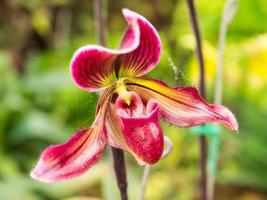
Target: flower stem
120, 171
202, 139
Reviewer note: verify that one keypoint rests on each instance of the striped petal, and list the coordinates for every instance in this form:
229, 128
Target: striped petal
60, 162
136, 129
147, 53
182, 106
95, 67
115, 137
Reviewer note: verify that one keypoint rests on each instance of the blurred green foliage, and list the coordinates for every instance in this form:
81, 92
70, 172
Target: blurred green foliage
40, 106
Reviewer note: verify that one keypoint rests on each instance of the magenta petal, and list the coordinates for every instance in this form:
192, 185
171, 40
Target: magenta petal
200, 111
91, 67
147, 54
135, 108
142, 132
94, 67
182, 106
60, 162
115, 137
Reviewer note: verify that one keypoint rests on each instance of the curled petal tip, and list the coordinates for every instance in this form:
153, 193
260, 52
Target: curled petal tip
228, 117
126, 12
129, 14
34, 175
147, 53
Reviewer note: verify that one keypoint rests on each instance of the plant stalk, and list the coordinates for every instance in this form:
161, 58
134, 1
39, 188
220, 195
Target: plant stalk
202, 89
120, 171
100, 21
229, 12
166, 152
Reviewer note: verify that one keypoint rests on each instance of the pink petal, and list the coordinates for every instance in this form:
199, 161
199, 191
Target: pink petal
91, 68
147, 54
134, 109
182, 106
114, 136
139, 133
94, 67
60, 162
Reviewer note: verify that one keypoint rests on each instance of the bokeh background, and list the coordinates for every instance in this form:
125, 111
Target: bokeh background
40, 105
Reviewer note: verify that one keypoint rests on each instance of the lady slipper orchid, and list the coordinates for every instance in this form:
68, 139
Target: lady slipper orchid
129, 108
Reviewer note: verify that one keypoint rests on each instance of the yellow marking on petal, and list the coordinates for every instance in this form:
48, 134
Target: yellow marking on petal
127, 101
161, 89
122, 91
108, 80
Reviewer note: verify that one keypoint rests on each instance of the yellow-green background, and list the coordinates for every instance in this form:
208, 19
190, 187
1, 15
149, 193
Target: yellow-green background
40, 105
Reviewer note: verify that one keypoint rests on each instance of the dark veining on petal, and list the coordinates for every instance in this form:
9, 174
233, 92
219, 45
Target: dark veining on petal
215, 114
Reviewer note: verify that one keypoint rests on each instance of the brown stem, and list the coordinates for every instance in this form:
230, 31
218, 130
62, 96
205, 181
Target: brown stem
120, 170
100, 21
202, 139
194, 23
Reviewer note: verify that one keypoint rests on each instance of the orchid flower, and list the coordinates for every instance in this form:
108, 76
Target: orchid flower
129, 108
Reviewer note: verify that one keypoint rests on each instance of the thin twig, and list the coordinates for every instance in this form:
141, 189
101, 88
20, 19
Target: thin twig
166, 152
229, 12
202, 139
